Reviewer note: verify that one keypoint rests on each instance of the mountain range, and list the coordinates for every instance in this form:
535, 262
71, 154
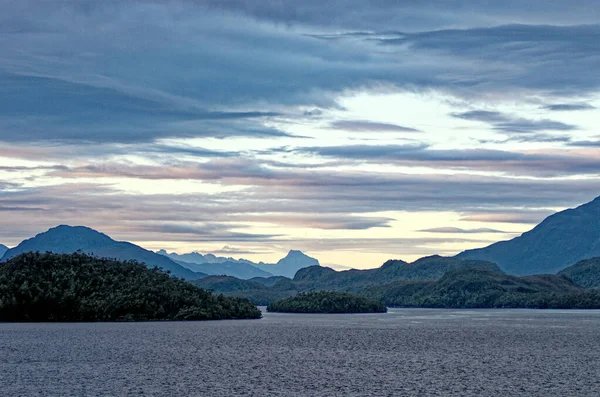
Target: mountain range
242, 268
560, 240
65, 239
319, 278
431, 282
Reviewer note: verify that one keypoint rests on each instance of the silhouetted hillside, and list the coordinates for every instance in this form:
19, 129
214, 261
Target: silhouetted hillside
428, 268
319, 278
559, 241
482, 288
69, 239
78, 287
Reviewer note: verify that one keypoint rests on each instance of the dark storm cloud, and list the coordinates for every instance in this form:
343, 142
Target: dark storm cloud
515, 57
84, 84
568, 107
551, 163
343, 191
74, 151
589, 143
322, 200
389, 15
140, 71
369, 126
206, 232
534, 138
515, 215
228, 250
457, 230
50, 109
510, 124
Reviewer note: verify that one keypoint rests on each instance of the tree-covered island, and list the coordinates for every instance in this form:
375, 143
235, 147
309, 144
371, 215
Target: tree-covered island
327, 302
37, 287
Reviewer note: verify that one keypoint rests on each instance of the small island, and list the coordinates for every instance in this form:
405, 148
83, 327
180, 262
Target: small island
48, 287
327, 302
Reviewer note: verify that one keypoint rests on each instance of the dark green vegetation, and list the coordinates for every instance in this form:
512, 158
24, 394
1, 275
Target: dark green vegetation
585, 273
318, 278
327, 302
227, 284
269, 281
559, 241
255, 291
481, 288
78, 287
438, 282
428, 268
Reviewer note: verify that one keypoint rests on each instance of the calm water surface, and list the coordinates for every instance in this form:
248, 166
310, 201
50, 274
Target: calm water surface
404, 352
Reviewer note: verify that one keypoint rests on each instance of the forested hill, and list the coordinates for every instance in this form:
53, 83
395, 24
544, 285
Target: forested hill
482, 288
428, 268
585, 273
327, 302
77, 287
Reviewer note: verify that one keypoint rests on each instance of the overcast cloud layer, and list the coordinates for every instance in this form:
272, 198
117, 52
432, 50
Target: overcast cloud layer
381, 128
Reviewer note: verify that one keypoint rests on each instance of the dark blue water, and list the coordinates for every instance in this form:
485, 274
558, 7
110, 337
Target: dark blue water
405, 352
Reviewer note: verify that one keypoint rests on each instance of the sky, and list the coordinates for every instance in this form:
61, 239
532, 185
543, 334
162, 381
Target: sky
354, 131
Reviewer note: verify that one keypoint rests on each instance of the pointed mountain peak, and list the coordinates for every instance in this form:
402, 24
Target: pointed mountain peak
298, 253
298, 258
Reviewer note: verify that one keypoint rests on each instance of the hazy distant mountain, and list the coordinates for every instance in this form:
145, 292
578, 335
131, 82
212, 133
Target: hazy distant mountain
288, 266
318, 278
585, 273
433, 281
235, 269
242, 268
69, 239
196, 257
3, 249
560, 240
